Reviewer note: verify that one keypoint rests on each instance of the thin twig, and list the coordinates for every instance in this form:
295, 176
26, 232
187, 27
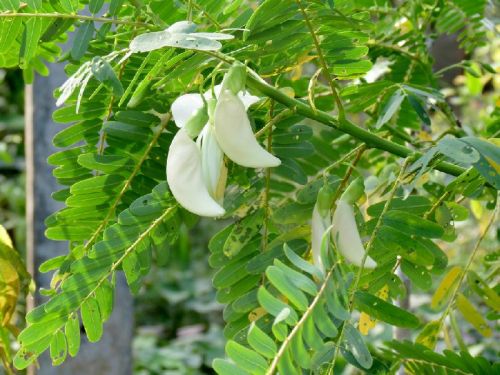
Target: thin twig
322, 61
75, 17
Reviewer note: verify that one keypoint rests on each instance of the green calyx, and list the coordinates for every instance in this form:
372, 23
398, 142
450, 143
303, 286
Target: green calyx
354, 191
324, 200
235, 78
196, 123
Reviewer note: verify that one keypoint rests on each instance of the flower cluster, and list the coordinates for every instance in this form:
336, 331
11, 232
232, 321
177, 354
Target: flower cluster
196, 173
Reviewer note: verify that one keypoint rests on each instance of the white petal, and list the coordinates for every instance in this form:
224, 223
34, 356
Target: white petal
235, 136
346, 235
247, 98
319, 226
212, 160
185, 178
184, 107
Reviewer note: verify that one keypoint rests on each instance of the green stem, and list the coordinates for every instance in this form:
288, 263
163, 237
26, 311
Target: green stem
74, 17
254, 81
322, 61
372, 140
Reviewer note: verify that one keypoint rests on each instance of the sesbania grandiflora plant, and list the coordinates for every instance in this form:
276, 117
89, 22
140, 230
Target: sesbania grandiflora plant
321, 130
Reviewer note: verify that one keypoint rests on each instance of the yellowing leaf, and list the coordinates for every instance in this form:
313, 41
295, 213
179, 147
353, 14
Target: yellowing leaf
495, 165
444, 289
479, 286
477, 209
366, 322
473, 316
428, 336
13, 277
256, 314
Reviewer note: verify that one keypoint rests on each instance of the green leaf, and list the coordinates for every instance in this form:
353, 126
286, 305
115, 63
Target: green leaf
417, 274
299, 351
274, 306
296, 278
279, 280
32, 33
384, 311
390, 108
37, 331
301, 264
412, 224
261, 342
292, 213
105, 74
356, 346
324, 355
91, 319
414, 203
419, 109
9, 4
35, 4
82, 38
72, 331
104, 296
242, 233
11, 28
95, 6
246, 359
311, 335
457, 150
481, 288
223, 367
489, 163
58, 348
70, 5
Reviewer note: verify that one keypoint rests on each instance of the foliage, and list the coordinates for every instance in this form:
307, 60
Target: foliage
349, 91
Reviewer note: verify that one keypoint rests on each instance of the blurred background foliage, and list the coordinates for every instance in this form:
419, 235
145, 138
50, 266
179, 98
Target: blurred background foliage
178, 322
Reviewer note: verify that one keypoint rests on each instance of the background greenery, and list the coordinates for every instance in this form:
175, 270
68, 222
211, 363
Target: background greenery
179, 324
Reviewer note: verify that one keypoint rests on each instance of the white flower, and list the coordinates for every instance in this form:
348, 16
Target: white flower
346, 235
185, 106
200, 188
319, 225
185, 177
235, 136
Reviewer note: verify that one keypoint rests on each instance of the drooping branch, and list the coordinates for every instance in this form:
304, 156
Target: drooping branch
372, 140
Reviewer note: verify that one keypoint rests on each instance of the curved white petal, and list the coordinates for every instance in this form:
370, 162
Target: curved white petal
235, 136
346, 235
319, 226
184, 107
185, 177
247, 98
212, 160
